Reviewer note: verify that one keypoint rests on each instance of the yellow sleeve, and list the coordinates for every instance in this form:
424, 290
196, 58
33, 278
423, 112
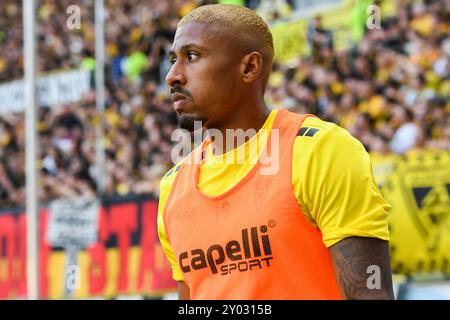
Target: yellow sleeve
164, 190
334, 184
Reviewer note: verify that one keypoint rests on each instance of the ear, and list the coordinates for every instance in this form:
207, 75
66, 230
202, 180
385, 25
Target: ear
251, 67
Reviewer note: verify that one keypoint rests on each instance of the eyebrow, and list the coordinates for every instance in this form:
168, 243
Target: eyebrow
186, 47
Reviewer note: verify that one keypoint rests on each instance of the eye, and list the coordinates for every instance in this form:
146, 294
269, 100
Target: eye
192, 55
172, 60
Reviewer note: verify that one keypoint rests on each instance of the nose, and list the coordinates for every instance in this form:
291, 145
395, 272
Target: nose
175, 75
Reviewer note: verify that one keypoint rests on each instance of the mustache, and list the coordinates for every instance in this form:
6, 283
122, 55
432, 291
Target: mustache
180, 90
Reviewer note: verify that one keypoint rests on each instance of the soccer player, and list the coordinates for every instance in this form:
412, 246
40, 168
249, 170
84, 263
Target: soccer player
296, 214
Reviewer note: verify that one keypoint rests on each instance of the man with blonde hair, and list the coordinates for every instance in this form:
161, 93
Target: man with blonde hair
315, 228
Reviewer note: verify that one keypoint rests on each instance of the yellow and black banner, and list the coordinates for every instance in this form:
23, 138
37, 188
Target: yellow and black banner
343, 18
418, 188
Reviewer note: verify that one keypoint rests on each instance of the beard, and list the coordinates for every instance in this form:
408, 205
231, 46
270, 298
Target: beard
190, 123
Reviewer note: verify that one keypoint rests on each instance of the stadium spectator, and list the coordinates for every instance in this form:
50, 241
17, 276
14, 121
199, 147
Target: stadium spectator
395, 80
320, 39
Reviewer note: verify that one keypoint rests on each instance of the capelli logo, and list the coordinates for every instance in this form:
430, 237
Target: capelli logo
246, 254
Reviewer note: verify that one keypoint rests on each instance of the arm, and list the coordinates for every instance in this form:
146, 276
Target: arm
352, 258
183, 291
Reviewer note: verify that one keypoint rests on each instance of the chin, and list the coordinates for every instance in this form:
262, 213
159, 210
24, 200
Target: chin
190, 122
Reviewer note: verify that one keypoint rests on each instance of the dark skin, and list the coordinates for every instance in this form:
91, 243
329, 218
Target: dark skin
219, 82
351, 259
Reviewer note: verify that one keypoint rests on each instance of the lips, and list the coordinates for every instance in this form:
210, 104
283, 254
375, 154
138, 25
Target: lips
179, 100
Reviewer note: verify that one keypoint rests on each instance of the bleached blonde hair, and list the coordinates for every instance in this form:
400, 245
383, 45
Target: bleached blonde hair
245, 24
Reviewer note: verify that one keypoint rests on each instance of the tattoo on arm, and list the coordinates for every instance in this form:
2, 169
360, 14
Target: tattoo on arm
352, 258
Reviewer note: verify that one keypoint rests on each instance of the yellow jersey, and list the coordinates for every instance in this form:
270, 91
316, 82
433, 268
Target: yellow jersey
332, 180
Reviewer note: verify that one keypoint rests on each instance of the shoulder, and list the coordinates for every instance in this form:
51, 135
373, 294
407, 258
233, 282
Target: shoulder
334, 184
168, 179
171, 174
323, 139
320, 150
313, 125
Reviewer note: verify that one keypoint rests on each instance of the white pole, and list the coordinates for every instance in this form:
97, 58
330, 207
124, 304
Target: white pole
100, 92
29, 34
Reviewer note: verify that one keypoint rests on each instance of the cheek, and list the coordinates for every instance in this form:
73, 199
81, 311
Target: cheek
222, 80
213, 82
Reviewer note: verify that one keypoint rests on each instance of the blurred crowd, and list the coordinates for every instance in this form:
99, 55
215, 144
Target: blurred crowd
390, 91
138, 120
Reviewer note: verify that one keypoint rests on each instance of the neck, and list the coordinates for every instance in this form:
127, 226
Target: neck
244, 123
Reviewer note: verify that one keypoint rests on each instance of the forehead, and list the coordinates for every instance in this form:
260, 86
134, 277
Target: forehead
195, 33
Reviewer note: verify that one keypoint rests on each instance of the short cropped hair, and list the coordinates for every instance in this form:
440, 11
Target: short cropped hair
245, 22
